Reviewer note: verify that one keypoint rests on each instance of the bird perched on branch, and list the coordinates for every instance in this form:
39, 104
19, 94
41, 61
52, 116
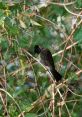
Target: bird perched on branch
47, 60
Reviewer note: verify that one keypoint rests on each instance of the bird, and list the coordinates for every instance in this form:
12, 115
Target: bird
47, 61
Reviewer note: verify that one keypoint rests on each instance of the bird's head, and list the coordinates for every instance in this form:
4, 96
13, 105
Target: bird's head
37, 49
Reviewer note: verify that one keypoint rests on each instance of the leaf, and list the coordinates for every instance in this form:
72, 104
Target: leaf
30, 115
2, 21
34, 23
0, 106
22, 24
78, 34
12, 30
79, 3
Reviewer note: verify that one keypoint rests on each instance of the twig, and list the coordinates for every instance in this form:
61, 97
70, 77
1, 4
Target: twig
73, 92
11, 98
72, 63
53, 101
73, 108
61, 4
63, 101
67, 48
78, 72
71, 12
37, 87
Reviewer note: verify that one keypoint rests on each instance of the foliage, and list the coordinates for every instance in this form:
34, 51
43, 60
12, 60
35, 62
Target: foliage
24, 85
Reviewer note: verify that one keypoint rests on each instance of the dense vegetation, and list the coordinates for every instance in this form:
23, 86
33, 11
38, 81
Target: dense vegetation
25, 88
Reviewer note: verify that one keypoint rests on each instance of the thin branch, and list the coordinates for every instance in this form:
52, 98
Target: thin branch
70, 11
37, 87
67, 48
72, 63
63, 101
78, 72
61, 4
11, 98
73, 92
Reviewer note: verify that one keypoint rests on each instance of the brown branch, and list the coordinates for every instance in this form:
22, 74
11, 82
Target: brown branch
61, 4
67, 48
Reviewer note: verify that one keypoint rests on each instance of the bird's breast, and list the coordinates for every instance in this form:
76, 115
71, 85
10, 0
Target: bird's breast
44, 60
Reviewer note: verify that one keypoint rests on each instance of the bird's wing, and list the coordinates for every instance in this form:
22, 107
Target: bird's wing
50, 58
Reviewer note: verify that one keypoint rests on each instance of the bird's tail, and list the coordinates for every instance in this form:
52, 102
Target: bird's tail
56, 75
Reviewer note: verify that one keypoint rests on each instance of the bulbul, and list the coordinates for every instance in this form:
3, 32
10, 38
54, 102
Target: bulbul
47, 60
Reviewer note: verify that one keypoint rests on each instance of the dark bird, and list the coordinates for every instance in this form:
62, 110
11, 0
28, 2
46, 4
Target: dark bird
47, 60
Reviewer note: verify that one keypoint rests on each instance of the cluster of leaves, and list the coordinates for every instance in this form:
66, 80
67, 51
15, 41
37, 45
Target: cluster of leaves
22, 25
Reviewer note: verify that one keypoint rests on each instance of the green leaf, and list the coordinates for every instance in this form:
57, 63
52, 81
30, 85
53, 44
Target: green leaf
30, 115
0, 106
78, 34
22, 24
79, 3
12, 29
34, 23
4, 43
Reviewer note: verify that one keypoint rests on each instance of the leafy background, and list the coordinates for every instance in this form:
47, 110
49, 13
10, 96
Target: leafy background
23, 82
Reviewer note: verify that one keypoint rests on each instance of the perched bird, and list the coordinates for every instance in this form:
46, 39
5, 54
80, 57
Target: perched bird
47, 60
